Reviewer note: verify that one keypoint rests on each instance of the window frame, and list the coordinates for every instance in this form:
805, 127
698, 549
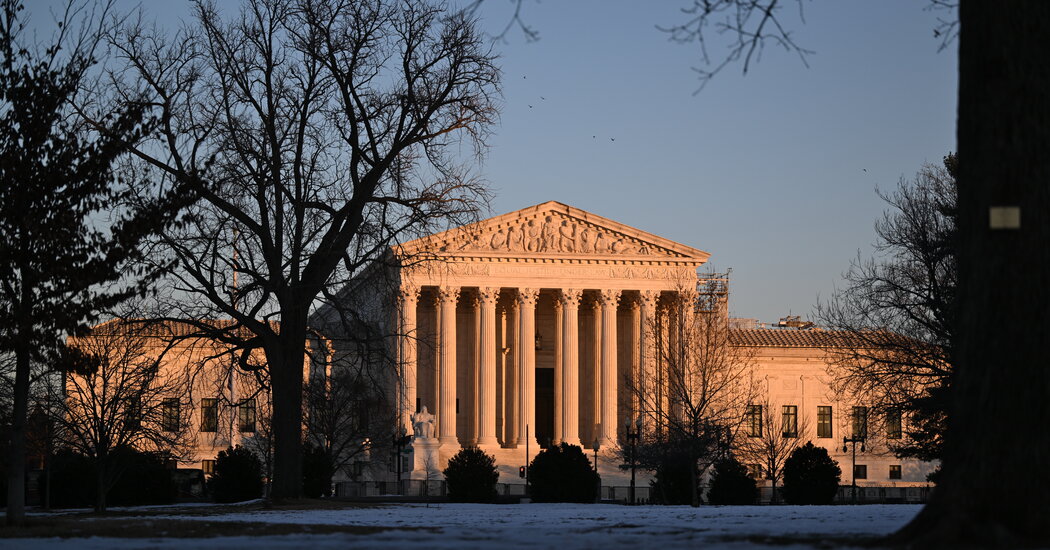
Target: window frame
754, 420
246, 409
894, 424
169, 415
825, 421
209, 414
789, 419
895, 469
859, 422
860, 471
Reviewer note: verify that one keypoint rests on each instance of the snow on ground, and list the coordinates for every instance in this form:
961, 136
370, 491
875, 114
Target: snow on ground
599, 526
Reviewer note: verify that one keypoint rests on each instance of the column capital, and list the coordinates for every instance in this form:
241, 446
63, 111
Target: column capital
488, 294
570, 297
610, 297
528, 296
408, 293
648, 298
448, 294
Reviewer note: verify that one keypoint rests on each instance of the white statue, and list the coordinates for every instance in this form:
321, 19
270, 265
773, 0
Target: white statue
423, 424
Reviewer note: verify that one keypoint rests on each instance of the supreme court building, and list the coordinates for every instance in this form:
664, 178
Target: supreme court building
531, 328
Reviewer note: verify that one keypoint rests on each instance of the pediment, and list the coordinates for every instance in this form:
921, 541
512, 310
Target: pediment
552, 228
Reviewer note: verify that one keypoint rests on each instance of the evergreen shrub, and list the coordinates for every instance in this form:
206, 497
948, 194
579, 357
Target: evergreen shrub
731, 484
563, 473
471, 476
237, 476
811, 476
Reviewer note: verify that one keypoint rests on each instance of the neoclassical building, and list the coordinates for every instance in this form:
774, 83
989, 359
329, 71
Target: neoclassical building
526, 324
539, 326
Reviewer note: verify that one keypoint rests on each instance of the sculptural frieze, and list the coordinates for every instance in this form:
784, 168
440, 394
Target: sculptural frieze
552, 233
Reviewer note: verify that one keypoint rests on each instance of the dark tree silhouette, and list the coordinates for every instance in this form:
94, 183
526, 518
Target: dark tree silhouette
731, 484
237, 476
895, 313
999, 383
471, 476
999, 404
113, 390
811, 476
563, 473
68, 237
319, 134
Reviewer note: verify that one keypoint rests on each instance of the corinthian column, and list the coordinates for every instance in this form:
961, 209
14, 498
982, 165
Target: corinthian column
558, 350
609, 423
648, 385
570, 366
487, 383
527, 364
407, 299
447, 298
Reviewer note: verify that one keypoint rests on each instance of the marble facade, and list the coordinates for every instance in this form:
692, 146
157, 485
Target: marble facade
549, 299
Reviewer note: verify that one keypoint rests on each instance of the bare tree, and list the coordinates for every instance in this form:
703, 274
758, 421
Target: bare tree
696, 400
769, 437
318, 133
117, 396
894, 318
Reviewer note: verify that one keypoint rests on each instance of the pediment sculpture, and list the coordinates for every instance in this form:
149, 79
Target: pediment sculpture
552, 233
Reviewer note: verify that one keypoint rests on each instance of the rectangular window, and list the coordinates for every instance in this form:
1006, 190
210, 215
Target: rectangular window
860, 422
134, 413
754, 420
246, 416
895, 471
209, 415
755, 471
169, 415
790, 421
893, 424
208, 466
860, 471
824, 421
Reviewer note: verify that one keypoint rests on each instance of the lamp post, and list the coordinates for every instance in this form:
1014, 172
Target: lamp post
854, 440
401, 440
632, 438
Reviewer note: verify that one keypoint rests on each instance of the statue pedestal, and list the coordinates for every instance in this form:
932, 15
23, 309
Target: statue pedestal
426, 456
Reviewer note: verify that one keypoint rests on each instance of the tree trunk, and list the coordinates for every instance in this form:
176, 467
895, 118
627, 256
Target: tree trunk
16, 460
286, 372
994, 477
100, 488
694, 493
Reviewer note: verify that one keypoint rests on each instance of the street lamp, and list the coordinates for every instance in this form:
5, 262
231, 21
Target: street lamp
401, 440
632, 438
854, 440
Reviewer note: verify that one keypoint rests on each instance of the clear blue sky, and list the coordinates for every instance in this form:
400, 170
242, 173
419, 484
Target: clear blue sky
773, 173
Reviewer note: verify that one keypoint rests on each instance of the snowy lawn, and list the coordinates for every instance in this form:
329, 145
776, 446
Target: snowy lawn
509, 526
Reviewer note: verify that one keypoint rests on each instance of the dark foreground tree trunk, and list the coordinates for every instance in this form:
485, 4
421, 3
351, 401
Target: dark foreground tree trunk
993, 491
16, 460
286, 372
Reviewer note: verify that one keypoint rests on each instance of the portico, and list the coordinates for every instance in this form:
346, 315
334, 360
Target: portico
534, 326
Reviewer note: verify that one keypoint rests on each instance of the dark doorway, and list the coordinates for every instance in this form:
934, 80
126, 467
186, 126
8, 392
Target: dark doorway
544, 406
